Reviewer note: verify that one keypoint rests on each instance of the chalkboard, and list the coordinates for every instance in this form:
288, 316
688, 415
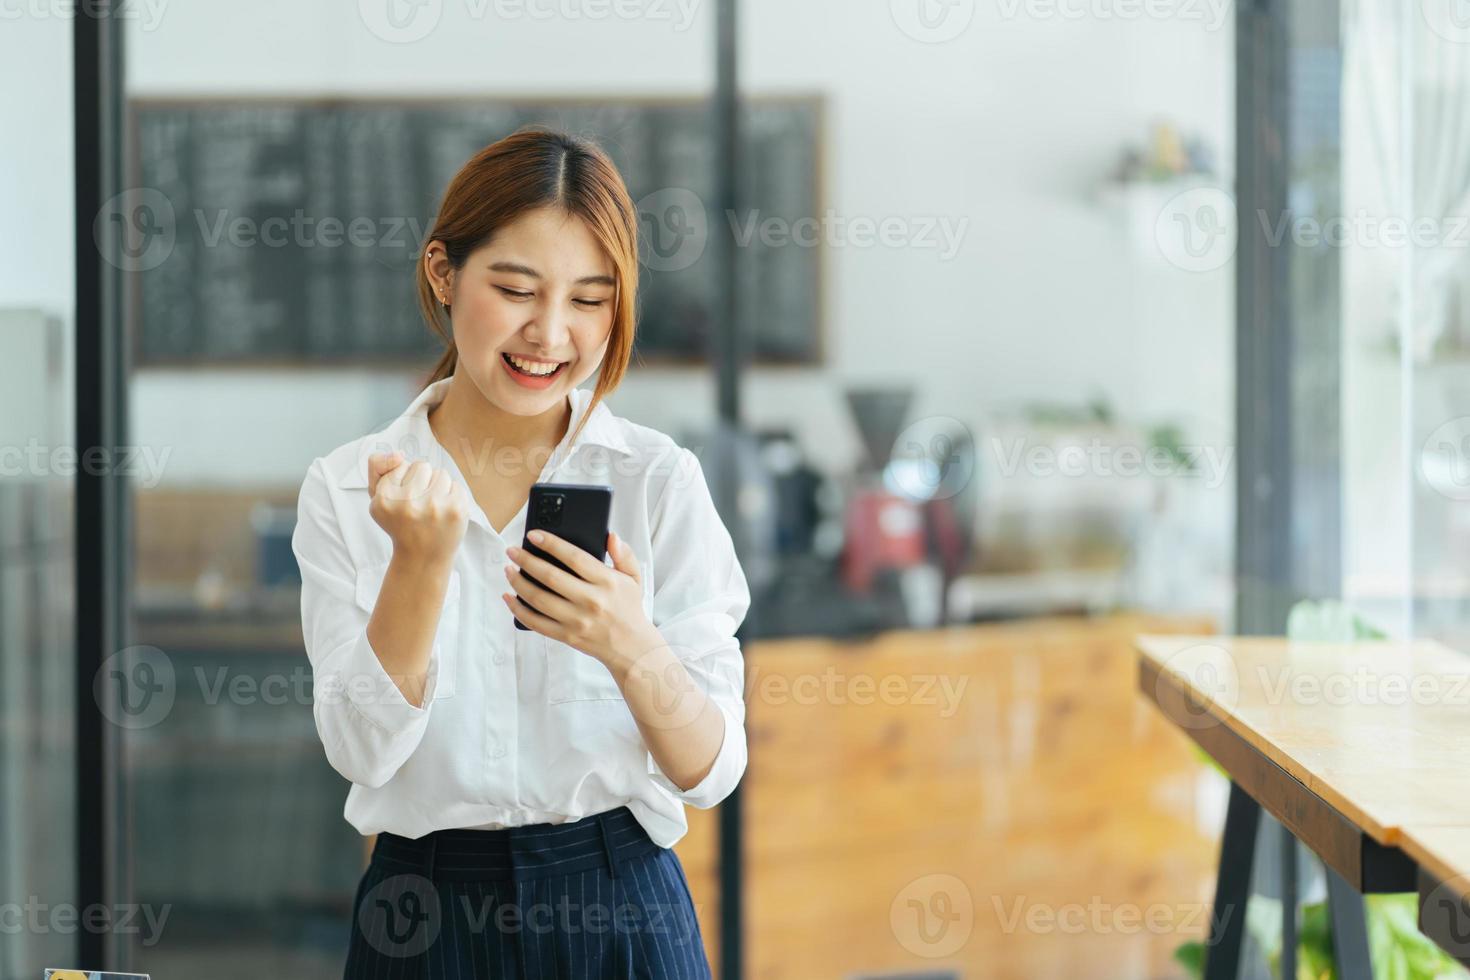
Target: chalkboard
296, 224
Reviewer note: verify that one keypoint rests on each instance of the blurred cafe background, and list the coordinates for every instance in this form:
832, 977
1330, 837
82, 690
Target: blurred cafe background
954, 301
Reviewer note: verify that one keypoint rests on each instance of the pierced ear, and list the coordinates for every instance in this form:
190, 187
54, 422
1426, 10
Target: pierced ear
436, 258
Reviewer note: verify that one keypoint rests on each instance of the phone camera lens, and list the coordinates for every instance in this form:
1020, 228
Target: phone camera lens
550, 509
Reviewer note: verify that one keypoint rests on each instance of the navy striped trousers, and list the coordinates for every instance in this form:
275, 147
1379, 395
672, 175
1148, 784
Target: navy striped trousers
592, 898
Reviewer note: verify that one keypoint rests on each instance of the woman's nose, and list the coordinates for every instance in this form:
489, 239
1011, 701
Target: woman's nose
548, 330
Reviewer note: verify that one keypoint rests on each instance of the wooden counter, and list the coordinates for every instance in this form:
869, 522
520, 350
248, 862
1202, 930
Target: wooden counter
1044, 786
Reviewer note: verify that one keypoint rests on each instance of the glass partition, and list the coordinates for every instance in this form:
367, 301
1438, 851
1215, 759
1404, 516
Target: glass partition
1406, 397
37, 477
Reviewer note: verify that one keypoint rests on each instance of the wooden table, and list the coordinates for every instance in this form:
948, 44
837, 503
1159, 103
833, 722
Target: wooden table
1443, 855
1359, 750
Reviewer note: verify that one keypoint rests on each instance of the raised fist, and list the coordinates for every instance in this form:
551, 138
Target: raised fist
423, 509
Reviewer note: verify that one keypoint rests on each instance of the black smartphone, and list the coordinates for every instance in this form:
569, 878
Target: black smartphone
574, 512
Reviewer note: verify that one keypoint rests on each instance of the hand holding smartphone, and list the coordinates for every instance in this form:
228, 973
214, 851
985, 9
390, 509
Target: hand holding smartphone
573, 512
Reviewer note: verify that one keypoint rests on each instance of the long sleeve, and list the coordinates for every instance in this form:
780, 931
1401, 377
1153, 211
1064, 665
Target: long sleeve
700, 598
366, 725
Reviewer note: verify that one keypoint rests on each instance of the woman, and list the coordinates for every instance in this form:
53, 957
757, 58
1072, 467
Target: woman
526, 786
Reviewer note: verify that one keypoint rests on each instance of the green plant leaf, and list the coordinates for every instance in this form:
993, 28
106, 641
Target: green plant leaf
1191, 956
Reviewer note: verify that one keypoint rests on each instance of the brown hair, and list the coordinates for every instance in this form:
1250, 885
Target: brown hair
532, 168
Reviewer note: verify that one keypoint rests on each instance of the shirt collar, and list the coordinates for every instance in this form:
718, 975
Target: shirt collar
411, 434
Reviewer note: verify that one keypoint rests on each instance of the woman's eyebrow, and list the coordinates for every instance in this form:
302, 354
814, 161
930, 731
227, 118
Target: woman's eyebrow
526, 270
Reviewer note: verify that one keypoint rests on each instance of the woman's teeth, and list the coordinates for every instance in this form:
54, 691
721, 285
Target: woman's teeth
534, 368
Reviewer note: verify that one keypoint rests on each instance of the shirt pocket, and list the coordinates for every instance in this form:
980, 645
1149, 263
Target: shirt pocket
446, 635
572, 675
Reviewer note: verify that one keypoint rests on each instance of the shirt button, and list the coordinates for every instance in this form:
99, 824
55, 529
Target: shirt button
499, 657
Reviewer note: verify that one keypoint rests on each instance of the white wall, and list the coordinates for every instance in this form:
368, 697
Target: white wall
37, 257
37, 265
1010, 125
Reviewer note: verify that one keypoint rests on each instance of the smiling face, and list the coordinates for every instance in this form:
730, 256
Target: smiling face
531, 310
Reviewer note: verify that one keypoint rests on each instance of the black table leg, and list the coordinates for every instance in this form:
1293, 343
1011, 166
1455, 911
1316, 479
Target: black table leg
1349, 929
1444, 915
1288, 903
1232, 886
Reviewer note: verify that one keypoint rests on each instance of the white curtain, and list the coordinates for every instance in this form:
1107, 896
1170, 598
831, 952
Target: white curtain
1418, 127
1440, 144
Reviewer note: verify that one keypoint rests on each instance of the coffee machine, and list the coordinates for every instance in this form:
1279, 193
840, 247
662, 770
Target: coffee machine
903, 517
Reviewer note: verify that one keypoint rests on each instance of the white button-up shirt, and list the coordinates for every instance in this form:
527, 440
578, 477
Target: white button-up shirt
515, 728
